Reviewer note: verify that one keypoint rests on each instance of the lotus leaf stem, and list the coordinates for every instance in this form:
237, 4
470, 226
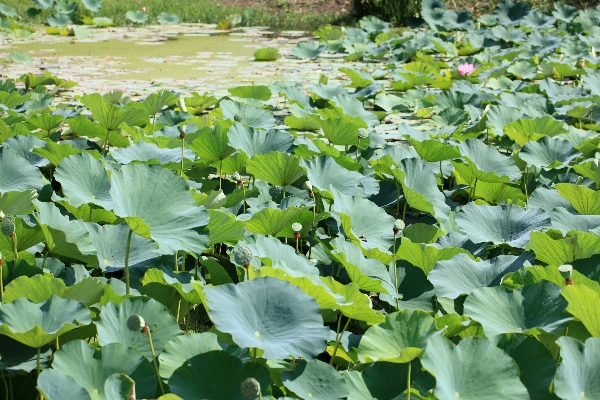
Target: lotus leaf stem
14, 245
160, 383
178, 309
395, 270
221, 175
176, 263
254, 354
6, 393
1, 282
338, 338
408, 381
127, 249
182, 154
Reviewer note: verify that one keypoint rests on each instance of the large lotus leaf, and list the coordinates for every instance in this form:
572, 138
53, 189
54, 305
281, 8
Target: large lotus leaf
38, 324
586, 201
307, 50
64, 237
247, 115
92, 5
400, 339
419, 186
323, 172
84, 180
461, 274
110, 116
556, 252
315, 380
90, 368
529, 275
258, 92
137, 17
525, 130
23, 146
578, 375
40, 288
276, 168
342, 130
59, 20
375, 382
434, 150
354, 108
548, 152
584, 304
55, 385
150, 152
217, 375
329, 293
486, 163
416, 291
272, 221
501, 224
182, 282
110, 242
268, 250
536, 364
156, 101
55, 152
212, 144
225, 228
589, 170
532, 307
17, 203
564, 221
363, 222
269, 314
474, 369
17, 174
112, 325
180, 349
369, 274
158, 205
253, 141
425, 256
15, 356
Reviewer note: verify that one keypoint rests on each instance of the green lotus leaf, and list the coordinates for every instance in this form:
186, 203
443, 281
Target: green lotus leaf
15, 356
149, 152
270, 251
400, 339
156, 101
92, 5
8, 11
266, 54
59, 20
342, 130
360, 79
370, 275
28, 236
523, 70
180, 349
55, 152
433, 150
589, 170
425, 256
324, 172
165, 18
286, 322
217, 375
584, 200
307, 50
416, 291
525, 130
564, 221
252, 141
46, 122
548, 153
560, 251
137, 17
528, 309
110, 116
474, 369
529, 275
163, 206
38, 324
485, 163
66, 6
276, 222
224, 228
461, 274
23, 146
212, 144
19, 57
373, 383
501, 224
112, 325
182, 282
81, 366
247, 115
315, 380
536, 365
258, 92
276, 168
84, 180
422, 233
17, 174
578, 375
354, 108
40, 288
584, 304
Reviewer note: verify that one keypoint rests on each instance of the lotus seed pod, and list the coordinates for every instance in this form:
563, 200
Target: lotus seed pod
363, 133
237, 118
399, 225
250, 388
8, 225
242, 256
296, 227
181, 130
136, 323
275, 191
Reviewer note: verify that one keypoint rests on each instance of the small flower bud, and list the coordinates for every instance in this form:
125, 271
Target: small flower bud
136, 323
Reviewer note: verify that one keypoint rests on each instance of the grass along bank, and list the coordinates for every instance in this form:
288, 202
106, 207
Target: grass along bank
275, 15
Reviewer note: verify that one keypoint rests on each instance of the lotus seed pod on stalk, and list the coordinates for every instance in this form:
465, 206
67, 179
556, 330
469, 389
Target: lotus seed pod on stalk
398, 226
243, 256
566, 270
297, 228
181, 130
250, 388
136, 323
363, 133
8, 225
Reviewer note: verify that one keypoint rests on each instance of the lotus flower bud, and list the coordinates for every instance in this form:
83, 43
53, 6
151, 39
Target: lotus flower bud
566, 270
8, 225
250, 388
309, 188
363, 133
398, 226
275, 191
136, 323
297, 227
242, 256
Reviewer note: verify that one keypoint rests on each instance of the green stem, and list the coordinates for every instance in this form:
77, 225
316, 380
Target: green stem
338, 338
297, 251
160, 382
244, 203
14, 244
408, 381
221, 175
153, 122
254, 354
441, 175
127, 249
357, 146
6, 395
404, 211
178, 310
395, 271
38, 366
398, 200
196, 268
57, 344
1, 284
176, 263
182, 153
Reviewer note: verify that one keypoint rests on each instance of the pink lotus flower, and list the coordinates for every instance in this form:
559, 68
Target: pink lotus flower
466, 69
143, 9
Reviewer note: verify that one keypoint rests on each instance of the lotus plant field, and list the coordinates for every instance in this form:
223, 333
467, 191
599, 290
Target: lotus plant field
425, 227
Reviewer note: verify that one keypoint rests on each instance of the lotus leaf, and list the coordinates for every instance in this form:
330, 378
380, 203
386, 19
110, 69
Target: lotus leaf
577, 375
315, 380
